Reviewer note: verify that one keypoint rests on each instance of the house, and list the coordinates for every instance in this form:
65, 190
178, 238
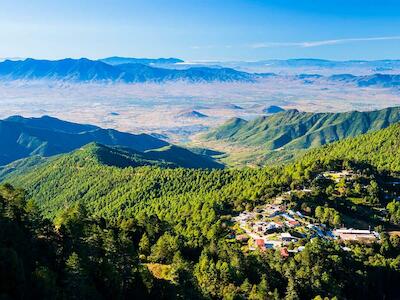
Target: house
260, 244
260, 226
355, 234
275, 213
293, 223
287, 217
286, 237
284, 252
271, 230
269, 245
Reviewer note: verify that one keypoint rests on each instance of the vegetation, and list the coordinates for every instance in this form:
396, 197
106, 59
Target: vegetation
100, 225
47, 136
284, 134
300, 130
380, 149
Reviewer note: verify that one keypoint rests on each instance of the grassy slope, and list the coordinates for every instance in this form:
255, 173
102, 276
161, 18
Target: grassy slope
283, 136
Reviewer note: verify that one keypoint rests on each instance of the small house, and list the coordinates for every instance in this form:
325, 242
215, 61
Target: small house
284, 252
260, 244
294, 223
286, 237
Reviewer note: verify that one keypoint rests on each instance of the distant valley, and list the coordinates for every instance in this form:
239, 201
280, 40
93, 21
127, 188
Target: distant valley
176, 99
182, 177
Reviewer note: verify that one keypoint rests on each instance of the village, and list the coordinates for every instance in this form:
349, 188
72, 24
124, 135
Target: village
275, 226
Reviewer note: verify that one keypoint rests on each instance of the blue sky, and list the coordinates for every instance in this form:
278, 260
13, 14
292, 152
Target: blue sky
201, 29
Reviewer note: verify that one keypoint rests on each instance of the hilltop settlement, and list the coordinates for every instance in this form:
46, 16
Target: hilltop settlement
285, 226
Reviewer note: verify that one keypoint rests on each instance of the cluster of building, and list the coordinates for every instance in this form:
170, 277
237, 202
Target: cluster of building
275, 227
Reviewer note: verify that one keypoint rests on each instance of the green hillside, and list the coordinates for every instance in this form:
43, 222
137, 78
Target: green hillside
301, 130
22, 166
109, 181
183, 157
105, 205
23, 138
380, 149
110, 184
46, 136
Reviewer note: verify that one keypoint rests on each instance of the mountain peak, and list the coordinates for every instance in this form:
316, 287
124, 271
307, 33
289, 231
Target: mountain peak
194, 114
273, 109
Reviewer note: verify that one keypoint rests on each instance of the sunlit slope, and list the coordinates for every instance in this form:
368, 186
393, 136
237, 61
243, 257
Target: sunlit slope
380, 149
301, 130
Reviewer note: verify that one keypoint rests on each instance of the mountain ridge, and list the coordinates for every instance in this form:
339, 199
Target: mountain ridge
116, 60
292, 129
46, 136
85, 70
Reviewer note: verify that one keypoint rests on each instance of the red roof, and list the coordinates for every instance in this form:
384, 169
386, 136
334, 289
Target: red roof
260, 243
284, 252
294, 222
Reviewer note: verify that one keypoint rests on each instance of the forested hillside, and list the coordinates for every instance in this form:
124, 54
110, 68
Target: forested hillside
176, 223
381, 149
46, 136
94, 174
301, 130
78, 257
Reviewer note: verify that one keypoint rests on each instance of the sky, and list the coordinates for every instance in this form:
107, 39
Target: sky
201, 30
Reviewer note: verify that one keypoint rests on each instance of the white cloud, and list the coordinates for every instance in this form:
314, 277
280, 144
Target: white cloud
309, 44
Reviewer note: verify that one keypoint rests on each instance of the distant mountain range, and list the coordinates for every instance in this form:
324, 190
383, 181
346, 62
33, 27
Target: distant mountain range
46, 136
312, 63
117, 60
85, 70
138, 70
307, 62
66, 69
292, 129
376, 80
